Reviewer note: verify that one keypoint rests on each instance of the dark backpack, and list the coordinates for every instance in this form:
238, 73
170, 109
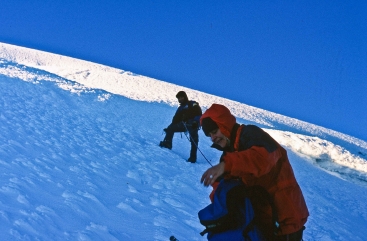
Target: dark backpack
230, 217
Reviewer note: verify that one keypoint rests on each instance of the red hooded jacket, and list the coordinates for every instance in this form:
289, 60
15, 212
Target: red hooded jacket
255, 157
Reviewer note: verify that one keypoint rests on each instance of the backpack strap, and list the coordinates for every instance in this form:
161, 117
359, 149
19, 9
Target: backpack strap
260, 194
248, 228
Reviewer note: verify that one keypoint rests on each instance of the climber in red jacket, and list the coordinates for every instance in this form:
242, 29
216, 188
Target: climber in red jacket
254, 156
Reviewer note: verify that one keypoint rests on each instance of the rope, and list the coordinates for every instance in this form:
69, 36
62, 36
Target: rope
191, 139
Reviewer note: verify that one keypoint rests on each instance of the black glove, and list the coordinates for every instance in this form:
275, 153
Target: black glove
194, 125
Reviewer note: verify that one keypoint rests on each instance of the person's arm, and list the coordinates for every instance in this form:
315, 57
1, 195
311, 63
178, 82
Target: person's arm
194, 111
177, 117
255, 161
210, 176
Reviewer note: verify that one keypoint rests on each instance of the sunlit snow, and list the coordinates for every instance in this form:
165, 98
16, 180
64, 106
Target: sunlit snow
79, 157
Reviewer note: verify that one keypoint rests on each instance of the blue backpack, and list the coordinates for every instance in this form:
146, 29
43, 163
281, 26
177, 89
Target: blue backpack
230, 216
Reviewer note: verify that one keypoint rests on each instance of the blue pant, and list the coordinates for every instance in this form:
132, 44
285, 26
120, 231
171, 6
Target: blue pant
179, 127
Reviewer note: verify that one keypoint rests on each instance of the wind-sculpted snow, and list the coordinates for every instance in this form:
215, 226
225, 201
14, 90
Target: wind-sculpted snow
17, 62
78, 168
326, 155
321, 152
143, 88
79, 157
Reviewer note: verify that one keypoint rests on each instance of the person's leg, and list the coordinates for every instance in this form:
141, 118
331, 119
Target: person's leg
194, 139
170, 131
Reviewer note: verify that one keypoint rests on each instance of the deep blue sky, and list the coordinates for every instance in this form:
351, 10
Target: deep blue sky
303, 59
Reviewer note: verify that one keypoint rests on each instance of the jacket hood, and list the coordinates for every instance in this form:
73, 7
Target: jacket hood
222, 117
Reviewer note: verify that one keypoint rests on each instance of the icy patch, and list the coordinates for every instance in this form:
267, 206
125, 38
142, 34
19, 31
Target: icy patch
325, 154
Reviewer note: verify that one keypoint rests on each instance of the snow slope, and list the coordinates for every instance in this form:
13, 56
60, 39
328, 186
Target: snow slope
79, 157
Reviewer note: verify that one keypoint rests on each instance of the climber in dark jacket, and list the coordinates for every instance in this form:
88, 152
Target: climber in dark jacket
185, 119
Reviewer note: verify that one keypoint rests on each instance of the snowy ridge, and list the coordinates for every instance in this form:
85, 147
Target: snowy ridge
343, 154
143, 88
84, 164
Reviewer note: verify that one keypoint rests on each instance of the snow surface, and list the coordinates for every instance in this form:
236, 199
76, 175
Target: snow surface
79, 158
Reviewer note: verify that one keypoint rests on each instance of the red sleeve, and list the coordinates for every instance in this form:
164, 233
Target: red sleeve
255, 161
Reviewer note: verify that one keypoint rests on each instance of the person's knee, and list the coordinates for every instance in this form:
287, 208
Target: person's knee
171, 128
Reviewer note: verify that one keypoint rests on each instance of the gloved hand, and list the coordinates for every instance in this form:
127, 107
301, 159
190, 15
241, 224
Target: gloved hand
194, 125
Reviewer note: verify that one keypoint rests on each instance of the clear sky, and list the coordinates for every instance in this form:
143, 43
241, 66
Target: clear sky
303, 59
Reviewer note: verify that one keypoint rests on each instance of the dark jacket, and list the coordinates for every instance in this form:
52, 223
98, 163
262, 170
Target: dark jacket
188, 111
